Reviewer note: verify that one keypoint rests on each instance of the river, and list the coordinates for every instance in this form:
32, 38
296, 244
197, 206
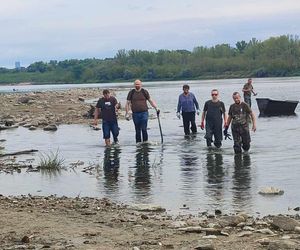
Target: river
181, 173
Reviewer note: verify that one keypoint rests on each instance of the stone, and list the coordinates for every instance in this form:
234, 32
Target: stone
297, 229
233, 220
284, 245
23, 99
244, 234
264, 241
191, 229
271, 191
25, 239
210, 237
32, 128
51, 127
285, 223
178, 224
148, 208
211, 231
265, 231
204, 246
247, 228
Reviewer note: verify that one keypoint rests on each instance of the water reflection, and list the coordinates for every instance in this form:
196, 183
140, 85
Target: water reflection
111, 164
215, 175
142, 175
242, 179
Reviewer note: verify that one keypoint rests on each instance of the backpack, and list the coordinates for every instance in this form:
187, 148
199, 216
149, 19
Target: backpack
132, 92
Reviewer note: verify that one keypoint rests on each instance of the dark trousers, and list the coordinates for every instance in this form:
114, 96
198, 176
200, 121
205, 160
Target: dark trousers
213, 129
189, 120
140, 120
241, 138
247, 99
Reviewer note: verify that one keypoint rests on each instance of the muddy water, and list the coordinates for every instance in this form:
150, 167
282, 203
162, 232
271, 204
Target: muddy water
181, 172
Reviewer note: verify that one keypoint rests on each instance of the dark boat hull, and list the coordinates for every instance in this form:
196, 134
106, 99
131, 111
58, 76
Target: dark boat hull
268, 107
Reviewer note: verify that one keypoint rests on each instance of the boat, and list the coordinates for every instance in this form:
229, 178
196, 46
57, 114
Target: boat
269, 107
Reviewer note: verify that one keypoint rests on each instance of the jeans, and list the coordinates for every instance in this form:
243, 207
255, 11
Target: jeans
189, 118
140, 120
110, 126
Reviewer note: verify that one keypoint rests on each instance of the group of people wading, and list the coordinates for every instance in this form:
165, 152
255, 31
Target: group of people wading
214, 118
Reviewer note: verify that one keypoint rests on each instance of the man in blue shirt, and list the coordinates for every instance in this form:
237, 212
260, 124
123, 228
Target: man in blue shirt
187, 104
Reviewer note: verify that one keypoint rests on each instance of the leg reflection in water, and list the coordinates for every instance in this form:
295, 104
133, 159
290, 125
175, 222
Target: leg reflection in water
215, 177
111, 164
142, 170
242, 179
215, 172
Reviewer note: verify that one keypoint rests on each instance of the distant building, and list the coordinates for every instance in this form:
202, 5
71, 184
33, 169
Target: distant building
17, 65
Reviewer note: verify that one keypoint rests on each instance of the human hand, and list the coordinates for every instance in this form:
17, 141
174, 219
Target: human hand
178, 115
127, 116
255, 94
157, 111
202, 125
198, 112
95, 122
254, 128
226, 134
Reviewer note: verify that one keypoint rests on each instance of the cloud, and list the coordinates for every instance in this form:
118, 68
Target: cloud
60, 29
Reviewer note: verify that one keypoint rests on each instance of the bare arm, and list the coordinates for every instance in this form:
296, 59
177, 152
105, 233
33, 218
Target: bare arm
253, 121
96, 115
228, 120
127, 106
203, 116
225, 118
152, 103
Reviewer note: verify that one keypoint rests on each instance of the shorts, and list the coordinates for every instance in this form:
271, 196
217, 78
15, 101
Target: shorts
110, 126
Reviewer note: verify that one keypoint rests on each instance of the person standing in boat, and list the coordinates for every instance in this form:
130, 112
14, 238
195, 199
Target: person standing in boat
213, 111
186, 104
239, 114
137, 101
248, 90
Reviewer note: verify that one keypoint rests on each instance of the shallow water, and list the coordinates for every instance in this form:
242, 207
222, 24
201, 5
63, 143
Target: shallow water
179, 172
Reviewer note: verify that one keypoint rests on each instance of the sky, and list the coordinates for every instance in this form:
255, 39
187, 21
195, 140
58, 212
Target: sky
44, 30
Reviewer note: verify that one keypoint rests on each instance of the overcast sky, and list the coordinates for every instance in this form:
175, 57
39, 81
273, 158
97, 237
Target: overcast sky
43, 30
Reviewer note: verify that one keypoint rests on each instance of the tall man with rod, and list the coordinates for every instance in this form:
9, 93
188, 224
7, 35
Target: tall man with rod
137, 101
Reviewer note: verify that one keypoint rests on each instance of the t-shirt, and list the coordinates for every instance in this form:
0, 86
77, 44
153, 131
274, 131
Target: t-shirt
248, 86
138, 100
214, 110
239, 113
107, 108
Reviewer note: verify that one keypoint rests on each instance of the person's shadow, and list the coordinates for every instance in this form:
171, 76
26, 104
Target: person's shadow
111, 164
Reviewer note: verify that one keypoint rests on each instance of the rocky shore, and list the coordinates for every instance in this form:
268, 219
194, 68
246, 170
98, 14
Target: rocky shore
32, 222
47, 109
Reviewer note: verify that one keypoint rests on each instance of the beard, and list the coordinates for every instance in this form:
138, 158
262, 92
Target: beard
137, 87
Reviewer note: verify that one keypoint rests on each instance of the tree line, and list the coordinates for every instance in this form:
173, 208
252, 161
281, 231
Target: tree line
276, 56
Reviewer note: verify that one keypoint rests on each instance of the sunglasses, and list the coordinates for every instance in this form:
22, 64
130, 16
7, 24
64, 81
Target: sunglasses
214, 94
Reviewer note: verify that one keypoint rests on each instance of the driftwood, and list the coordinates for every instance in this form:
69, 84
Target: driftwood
20, 152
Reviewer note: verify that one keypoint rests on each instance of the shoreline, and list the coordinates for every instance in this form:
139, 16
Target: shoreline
34, 222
